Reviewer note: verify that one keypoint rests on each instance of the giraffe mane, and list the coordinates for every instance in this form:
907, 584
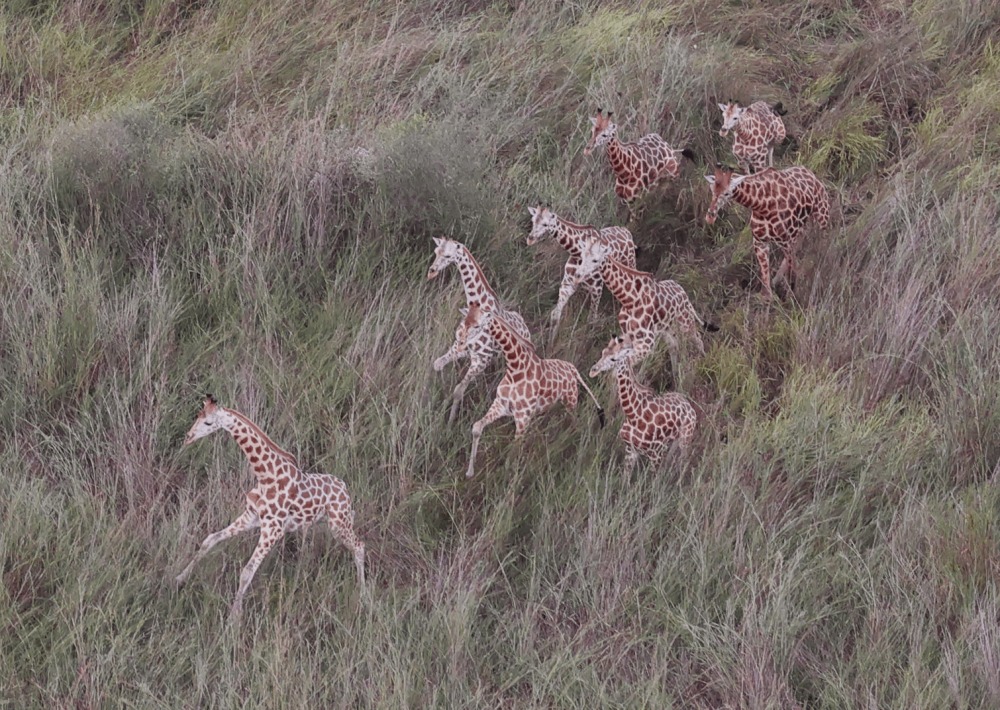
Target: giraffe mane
267, 440
510, 329
630, 271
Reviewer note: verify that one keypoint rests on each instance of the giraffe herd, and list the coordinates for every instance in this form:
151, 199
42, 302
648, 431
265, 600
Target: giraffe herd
780, 202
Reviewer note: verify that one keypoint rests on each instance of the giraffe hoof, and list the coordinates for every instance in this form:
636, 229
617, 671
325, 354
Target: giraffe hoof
470, 473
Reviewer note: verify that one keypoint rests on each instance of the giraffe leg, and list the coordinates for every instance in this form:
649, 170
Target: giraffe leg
248, 520
566, 290
594, 286
760, 249
477, 366
270, 533
451, 356
343, 529
500, 408
631, 458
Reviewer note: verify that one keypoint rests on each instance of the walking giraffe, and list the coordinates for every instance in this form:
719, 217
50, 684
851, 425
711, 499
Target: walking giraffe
481, 349
649, 307
637, 166
756, 128
571, 236
780, 202
530, 386
284, 499
654, 423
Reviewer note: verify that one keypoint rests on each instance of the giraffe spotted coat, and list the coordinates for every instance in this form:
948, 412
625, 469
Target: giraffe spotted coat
482, 348
529, 387
637, 166
780, 203
756, 128
285, 498
653, 422
571, 237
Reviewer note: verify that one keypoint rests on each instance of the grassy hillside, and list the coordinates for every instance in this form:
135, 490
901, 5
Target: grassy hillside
239, 197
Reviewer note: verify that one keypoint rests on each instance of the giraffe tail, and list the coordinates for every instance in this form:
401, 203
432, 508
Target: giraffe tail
689, 154
779, 109
600, 409
706, 325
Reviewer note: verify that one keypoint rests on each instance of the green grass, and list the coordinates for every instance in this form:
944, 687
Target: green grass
239, 198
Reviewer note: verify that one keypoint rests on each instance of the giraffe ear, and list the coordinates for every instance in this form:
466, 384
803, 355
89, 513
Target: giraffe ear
533, 211
438, 241
464, 310
593, 121
723, 107
710, 179
737, 179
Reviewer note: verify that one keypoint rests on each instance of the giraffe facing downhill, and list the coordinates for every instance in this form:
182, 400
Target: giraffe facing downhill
529, 387
285, 497
649, 308
637, 166
654, 423
780, 202
481, 349
756, 128
571, 237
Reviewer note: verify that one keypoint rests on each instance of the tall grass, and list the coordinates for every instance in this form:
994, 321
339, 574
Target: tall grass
239, 197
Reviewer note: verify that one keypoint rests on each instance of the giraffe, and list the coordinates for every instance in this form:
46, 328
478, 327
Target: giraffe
650, 308
653, 422
481, 349
284, 499
780, 202
529, 387
570, 236
756, 128
637, 166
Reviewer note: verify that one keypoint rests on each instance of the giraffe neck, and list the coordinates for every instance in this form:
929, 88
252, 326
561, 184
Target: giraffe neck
629, 392
570, 235
625, 284
266, 459
618, 157
477, 290
518, 352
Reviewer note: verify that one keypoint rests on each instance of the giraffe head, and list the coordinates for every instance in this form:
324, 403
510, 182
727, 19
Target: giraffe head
476, 319
446, 251
543, 223
723, 183
593, 253
619, 350
604, 130
732, 112
210, 419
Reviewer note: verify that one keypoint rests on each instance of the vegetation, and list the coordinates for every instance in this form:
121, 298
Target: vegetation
239, 197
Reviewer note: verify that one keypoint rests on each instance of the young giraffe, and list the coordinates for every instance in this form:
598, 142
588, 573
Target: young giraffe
756, 128
780, 202
530, 386
649, 307
482, 348
637, 166
653, 422
284, 499
571, 236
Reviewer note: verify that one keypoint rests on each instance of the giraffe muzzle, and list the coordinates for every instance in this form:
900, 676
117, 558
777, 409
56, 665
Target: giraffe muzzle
431, 273
711, 217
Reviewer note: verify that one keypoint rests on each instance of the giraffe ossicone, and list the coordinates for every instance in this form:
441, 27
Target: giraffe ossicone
284, 499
